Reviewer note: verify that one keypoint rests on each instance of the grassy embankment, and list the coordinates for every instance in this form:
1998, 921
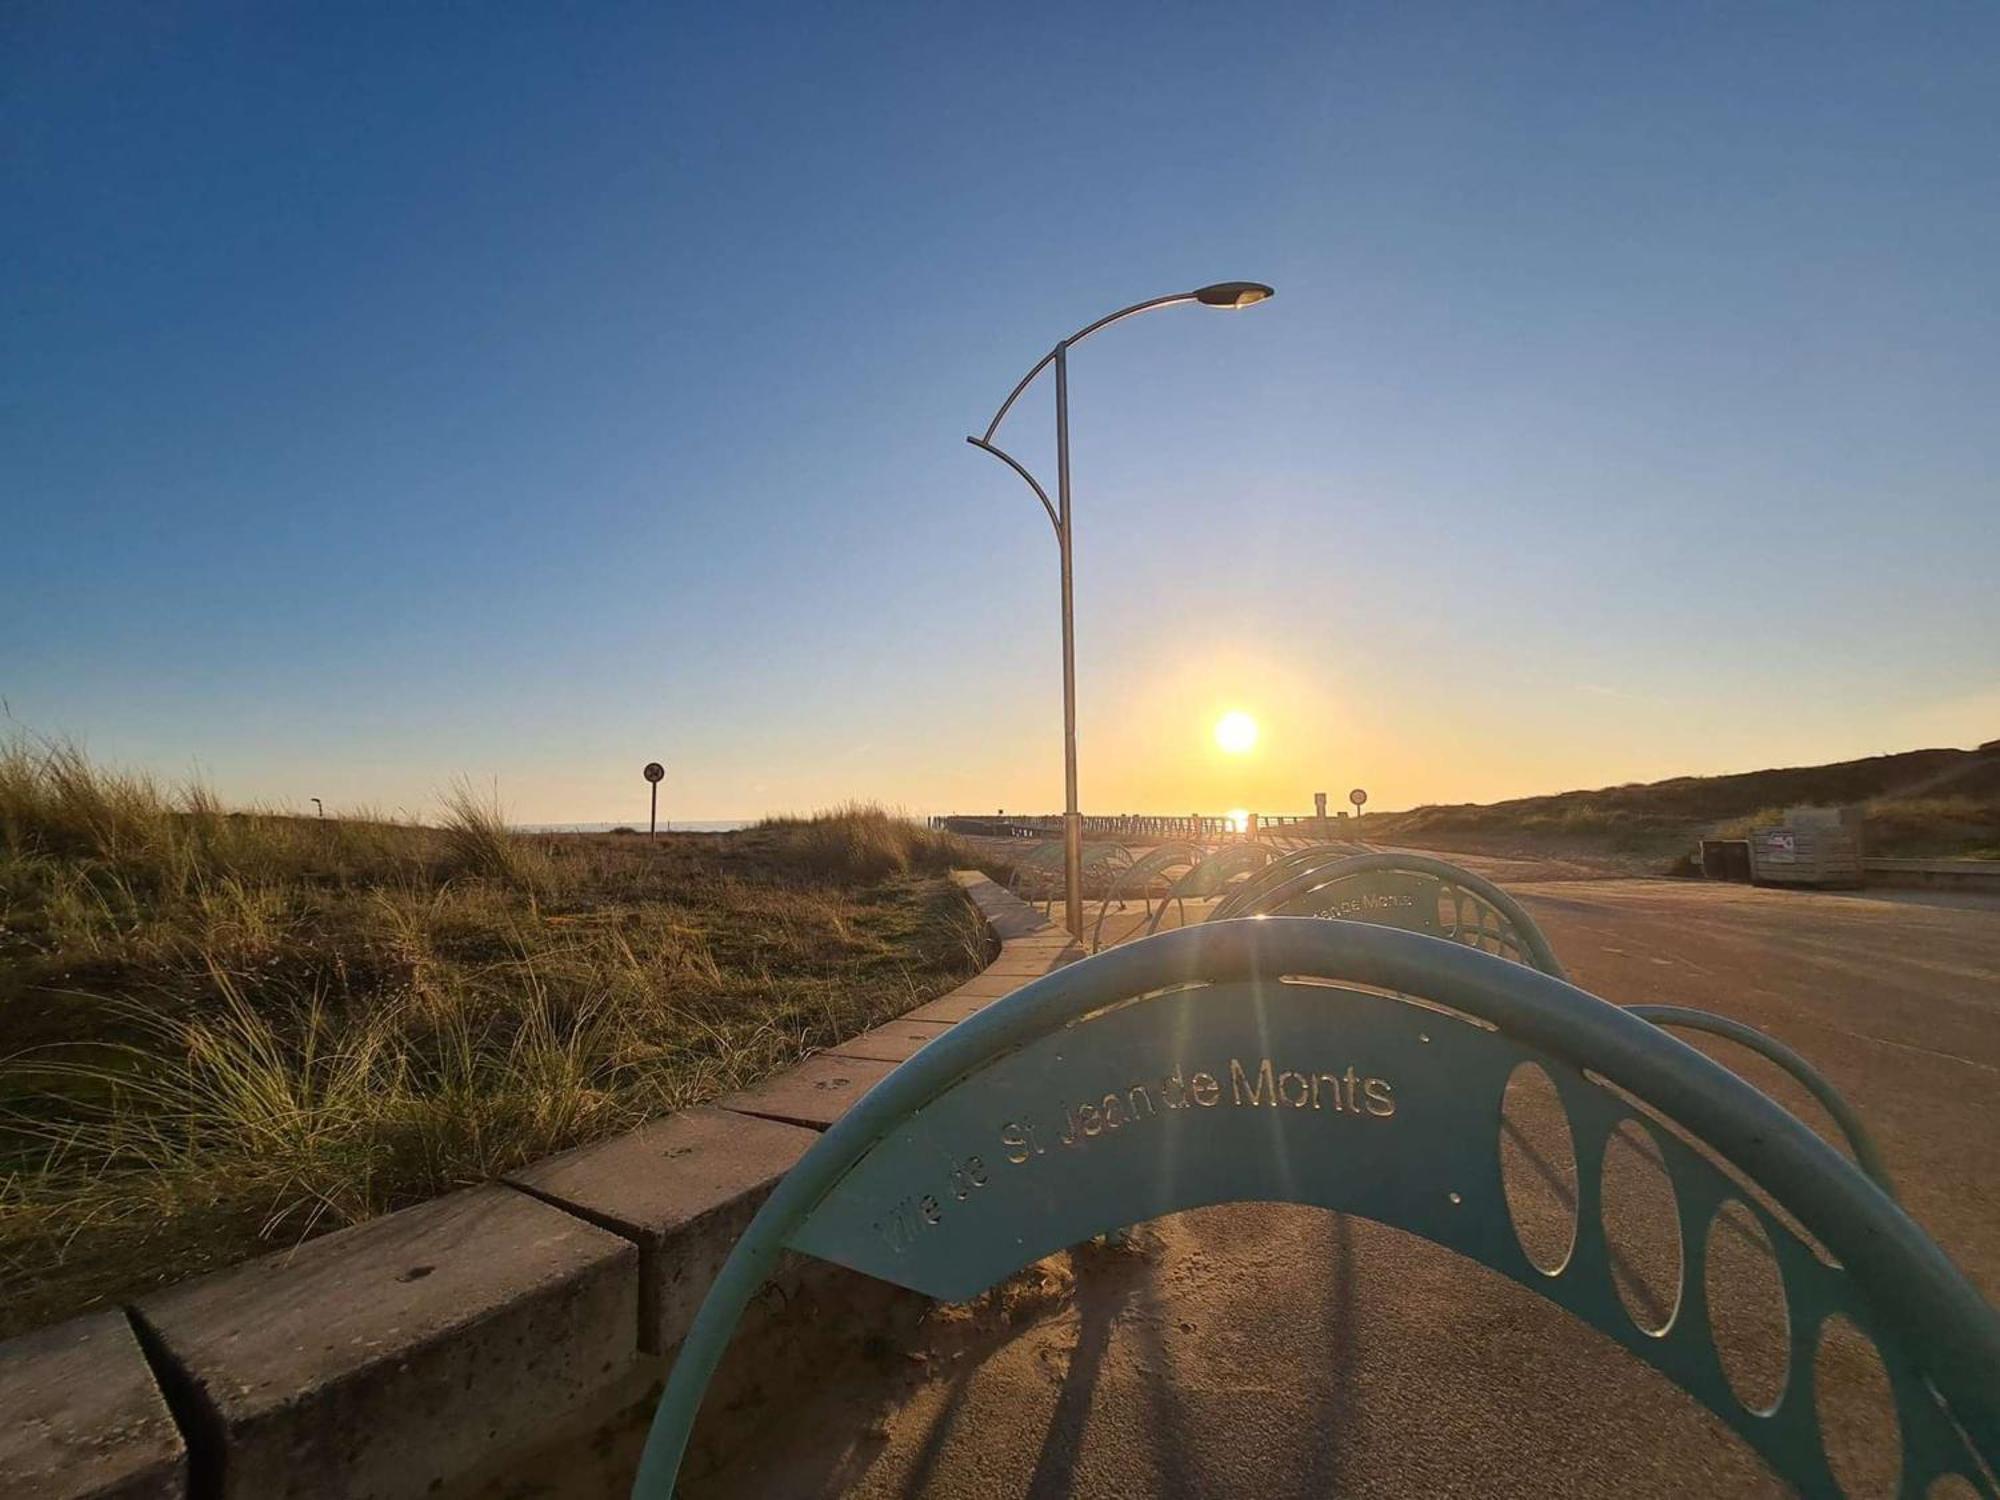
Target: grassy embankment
1924, 803
221, 1033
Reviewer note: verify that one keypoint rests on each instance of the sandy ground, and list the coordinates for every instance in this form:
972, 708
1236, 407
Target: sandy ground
1274, 1351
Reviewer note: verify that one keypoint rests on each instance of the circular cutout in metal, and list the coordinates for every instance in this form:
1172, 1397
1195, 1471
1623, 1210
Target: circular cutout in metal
1746, 1307
1856, 1407
1538, 1168
1642, 1228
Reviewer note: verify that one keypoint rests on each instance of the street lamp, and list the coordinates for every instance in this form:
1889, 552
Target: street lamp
1220, 294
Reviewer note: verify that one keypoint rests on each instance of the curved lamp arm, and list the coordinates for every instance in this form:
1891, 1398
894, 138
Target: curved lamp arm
1015, 464
1075, 338
1220, 294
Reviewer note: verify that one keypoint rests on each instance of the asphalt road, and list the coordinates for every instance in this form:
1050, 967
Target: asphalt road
1272, 1351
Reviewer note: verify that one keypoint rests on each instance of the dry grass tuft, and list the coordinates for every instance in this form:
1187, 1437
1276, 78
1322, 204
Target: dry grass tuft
478, 842
229, 1030
861, 841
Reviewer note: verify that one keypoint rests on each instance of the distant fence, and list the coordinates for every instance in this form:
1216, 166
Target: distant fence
1936, 874
1195, 827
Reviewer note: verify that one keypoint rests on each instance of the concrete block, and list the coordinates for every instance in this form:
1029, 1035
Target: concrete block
1055, 944
815, 1093
1018, 963
682, 1189
897, 1042
951, 1009
989, 895
969, 998
992, 986
82, 1419
382, 1360
1007, 914
1018, 921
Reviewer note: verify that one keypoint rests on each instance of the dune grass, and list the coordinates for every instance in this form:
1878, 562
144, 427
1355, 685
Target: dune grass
1962, 827
1919, 803
223, 1032
859, 842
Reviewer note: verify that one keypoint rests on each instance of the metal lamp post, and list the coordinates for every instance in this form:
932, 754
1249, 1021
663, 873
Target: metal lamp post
1221, 294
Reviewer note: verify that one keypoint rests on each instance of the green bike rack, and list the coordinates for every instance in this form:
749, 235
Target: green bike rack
1362, 1068
1829, 1097
1413, 891
1242, 901
1042, 859
1430, 895
1212, 876
1098, 860
1145, 870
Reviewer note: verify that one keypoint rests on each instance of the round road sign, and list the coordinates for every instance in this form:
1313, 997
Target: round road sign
655, 771
1357, 796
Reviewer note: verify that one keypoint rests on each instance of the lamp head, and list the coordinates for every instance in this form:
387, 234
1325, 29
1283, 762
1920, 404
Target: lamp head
1232, 294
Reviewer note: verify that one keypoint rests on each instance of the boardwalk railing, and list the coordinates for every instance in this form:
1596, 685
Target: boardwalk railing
1196, 827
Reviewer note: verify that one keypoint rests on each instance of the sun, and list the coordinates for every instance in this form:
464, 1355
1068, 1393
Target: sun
1236, 732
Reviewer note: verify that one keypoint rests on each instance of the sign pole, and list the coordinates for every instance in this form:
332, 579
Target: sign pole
654, 773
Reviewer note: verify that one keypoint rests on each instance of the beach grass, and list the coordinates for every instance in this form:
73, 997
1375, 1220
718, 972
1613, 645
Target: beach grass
224, 1031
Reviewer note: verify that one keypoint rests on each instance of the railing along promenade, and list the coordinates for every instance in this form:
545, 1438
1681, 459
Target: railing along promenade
1195, 827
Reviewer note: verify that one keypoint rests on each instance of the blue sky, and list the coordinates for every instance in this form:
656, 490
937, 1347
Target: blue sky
526, 392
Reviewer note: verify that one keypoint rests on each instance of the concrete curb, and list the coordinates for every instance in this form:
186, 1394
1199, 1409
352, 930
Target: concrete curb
396, 1357
382, 1359
83, 1416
